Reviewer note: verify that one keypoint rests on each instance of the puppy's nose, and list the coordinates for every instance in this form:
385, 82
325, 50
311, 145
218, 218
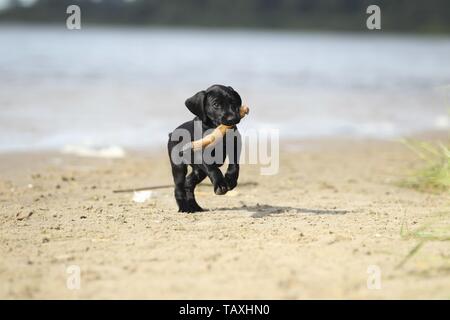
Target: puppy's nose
231, 119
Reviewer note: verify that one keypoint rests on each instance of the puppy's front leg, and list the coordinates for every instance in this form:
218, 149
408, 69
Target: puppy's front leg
233, 151
217, 179
232, 175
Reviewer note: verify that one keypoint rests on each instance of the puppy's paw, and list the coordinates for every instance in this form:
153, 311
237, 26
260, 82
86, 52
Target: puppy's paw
193, 206
189, 206
220, 188
182, 206
231, 182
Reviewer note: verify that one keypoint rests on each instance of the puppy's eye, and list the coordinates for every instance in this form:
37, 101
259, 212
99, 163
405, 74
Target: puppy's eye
216, 106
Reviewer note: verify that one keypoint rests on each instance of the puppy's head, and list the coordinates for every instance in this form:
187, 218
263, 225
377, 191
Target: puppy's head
216, 105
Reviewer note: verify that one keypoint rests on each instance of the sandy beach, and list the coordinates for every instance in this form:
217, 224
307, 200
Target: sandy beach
316, 230
352, 98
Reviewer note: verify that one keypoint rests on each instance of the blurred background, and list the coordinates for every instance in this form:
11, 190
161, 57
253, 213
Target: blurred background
309, 68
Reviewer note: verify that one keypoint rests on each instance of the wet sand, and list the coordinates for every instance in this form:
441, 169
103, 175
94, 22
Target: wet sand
333, 213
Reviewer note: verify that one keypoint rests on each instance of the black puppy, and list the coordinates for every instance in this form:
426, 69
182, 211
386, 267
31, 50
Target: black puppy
217, 105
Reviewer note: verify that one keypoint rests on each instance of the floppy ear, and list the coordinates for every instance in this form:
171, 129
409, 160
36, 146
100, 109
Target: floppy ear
196, 104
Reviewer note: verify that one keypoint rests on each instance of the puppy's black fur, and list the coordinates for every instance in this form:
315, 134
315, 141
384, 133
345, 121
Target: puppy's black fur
214, 106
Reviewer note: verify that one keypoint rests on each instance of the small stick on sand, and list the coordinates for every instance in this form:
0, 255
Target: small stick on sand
144, 188
166, 186
217, 134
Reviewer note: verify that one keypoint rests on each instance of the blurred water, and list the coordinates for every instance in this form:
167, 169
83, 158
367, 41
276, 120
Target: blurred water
127, 86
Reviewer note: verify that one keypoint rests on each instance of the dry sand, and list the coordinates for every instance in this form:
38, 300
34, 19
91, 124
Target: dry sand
312, 231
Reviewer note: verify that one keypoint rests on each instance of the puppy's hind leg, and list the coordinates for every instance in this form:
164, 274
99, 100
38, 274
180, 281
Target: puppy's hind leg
194, 178
179, 177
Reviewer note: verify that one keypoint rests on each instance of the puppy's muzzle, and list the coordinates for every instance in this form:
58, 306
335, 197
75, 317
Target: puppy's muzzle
234, 119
